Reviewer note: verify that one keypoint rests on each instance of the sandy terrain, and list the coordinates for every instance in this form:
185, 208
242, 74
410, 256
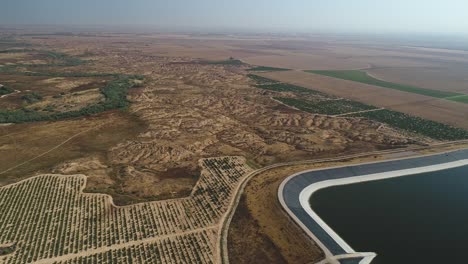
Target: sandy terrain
187, 111
192, 110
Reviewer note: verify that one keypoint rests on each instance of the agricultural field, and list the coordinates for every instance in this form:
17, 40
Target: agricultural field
439, 110
51, 220
348, 108
459, 98
415, 125
283, 87
364, 77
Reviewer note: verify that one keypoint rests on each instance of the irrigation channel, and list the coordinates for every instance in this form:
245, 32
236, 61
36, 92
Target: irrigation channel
296, 191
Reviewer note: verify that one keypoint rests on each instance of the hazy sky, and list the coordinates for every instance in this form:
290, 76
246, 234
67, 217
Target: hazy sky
375, 16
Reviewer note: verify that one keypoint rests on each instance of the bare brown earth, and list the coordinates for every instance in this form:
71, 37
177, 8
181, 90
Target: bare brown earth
443, 111
29, 149
191, 111
187, 111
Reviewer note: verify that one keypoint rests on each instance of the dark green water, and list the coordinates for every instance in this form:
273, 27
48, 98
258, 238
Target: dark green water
414, 219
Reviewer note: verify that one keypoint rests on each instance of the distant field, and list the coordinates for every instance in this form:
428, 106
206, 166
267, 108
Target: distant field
266, 68
460, 98
363, 77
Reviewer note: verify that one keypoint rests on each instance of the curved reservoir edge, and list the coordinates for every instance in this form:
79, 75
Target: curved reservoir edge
295, 191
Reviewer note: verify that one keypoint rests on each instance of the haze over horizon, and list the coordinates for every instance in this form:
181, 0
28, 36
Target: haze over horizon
340, 16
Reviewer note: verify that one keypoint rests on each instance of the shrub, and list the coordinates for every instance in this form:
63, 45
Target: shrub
6, 90
31, 97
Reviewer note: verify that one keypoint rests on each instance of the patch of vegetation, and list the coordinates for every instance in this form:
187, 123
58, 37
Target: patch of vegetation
49, 108
61, 59
261, 80
10, 42
326, 107
417, 125
31, 97
68, 74
230, 62
115, 93
266, 68
7, 250
6, 90
363, 77
284, 87
65, 59
15, 51
12, 69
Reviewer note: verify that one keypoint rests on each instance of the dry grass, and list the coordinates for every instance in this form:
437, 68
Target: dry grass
95, 135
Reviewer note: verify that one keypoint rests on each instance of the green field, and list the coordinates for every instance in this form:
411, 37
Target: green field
266, 68
326, 107
363, 77
460, 99
415, 124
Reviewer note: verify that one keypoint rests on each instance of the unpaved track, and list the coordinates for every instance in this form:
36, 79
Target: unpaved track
52, 149
359, 112
90, 252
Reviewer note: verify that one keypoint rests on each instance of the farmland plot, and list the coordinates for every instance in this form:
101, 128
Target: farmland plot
51, 220
315, 102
